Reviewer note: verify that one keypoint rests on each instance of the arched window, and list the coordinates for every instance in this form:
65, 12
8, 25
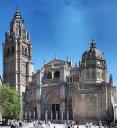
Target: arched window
57, 74
26, 51
12, 50
70, 79
49, 75
8, 52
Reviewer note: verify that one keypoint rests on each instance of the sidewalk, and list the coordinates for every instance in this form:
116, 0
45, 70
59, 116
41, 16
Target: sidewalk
5, 126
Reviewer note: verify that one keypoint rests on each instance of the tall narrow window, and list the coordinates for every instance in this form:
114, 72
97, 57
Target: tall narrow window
12, 50
8, 52
25, 51
17, 32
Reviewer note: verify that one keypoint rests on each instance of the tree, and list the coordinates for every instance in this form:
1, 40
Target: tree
10, 102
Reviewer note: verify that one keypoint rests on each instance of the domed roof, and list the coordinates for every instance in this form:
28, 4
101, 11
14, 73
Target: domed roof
93, 52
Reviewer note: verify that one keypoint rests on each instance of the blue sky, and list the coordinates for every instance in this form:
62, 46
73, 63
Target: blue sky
65, 27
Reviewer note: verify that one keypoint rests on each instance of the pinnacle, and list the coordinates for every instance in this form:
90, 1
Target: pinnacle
17, 15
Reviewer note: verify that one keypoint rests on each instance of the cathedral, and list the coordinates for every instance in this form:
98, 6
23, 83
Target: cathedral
59, 90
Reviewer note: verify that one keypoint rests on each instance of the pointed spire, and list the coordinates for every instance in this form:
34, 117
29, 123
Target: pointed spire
71, 61
44, 62
55, 56
111, 78
79, 63
17, 15
67, 58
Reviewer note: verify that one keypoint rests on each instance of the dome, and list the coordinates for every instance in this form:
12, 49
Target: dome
93, 52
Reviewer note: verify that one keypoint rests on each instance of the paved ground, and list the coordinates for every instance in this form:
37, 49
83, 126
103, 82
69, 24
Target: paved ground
55, 126
30, 125
5, 127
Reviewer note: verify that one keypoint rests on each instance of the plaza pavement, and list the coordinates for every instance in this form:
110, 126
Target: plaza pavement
30, 125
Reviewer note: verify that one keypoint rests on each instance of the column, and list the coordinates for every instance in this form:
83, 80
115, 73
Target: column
56, 115
73, 115
34, 115
38, 111
26, 115
67, 115
46, 115
61, 115
29, 115
63, 108
51, 115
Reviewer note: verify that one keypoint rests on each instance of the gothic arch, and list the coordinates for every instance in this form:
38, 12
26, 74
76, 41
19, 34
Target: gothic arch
49, 75
12, 50
8, 51
57, 74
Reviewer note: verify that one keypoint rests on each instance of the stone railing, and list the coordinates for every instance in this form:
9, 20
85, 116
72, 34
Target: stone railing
51, 81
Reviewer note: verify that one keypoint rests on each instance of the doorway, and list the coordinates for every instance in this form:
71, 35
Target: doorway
56, 109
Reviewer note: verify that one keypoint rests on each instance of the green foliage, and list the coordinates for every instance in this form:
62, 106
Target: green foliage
10, 102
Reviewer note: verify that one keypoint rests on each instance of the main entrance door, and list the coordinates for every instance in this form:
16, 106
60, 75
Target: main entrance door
56, 111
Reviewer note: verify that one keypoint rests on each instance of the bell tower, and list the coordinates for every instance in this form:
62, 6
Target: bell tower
17, 54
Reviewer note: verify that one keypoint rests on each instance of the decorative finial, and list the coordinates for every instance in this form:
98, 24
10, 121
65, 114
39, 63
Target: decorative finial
111, 78
17, 8
71, 61
79, 63
17, 14
67, 59
44, 62
55, 56
93, 44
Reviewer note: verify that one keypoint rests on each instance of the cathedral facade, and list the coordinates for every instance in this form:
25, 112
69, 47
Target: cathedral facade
59, 90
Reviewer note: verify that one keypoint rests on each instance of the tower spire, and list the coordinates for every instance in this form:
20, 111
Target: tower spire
17, 27
111, 79
17, 15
